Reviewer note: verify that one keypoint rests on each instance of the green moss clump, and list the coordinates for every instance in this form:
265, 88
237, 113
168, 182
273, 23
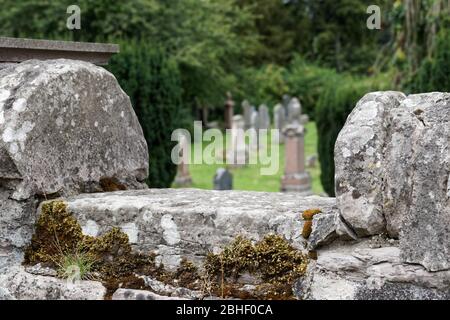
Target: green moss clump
58, 236
273, 260
57, 232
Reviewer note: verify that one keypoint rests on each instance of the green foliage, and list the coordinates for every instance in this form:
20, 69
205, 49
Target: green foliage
307, 81
100, 19
338, 99
262, 85
152, 80
433, 73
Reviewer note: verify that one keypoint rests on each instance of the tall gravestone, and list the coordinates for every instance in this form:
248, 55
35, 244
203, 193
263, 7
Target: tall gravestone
247, 110
264, 117
229, 111
295, 178
294, 110
183, 177
254, 130
237, 154
279, 118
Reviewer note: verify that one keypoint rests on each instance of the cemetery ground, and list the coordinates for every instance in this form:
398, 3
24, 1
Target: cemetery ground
248, 178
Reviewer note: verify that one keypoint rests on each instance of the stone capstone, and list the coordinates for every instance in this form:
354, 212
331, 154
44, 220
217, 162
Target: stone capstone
66, 127
392, 173
189, 223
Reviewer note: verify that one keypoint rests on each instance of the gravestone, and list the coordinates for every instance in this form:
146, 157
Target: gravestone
223, 180
264, 117
237, 154
254, 129
279, 118
183, 177
247, 110
311, 161
295, 178
229, 111
294, 110
285, 101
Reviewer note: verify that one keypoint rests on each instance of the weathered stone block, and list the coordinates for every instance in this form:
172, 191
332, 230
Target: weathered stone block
66, 127
392, 173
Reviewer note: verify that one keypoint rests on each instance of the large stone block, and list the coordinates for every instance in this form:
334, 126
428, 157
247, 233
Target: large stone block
189, 223
392, 173
66, 127
359, 163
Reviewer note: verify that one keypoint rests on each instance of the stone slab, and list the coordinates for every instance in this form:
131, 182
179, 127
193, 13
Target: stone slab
20, 49
177, 223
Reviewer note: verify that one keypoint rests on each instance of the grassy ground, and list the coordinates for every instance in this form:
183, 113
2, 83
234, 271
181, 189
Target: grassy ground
249, 177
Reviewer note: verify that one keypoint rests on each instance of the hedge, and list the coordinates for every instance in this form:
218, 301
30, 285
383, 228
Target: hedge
152, 80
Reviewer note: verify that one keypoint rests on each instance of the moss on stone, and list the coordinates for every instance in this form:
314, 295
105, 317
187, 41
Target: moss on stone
310, 213
57, 232
58, 235
308, 217
307, 229
273, 260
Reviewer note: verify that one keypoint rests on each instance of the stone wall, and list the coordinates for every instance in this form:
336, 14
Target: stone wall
68, 131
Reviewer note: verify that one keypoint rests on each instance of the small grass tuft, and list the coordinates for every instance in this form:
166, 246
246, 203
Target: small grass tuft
77, 265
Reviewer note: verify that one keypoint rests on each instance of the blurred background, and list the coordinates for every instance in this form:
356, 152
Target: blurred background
179, 58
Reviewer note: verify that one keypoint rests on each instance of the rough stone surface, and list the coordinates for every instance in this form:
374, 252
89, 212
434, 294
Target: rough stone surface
133, 294
16, 283
177, 223
358, 159
356, 271
326, 228
171, 291
66, 127
425, 229
392, 173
